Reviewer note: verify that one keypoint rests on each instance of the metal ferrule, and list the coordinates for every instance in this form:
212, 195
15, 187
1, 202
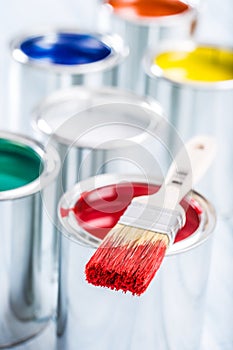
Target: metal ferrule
152, 218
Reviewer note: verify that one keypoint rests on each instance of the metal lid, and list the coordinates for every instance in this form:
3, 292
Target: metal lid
101, 119
74, 232
48, 164
154, 71
181, 11
69, 50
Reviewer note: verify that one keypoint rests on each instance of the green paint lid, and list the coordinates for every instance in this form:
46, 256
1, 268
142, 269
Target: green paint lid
25, 166
19, 165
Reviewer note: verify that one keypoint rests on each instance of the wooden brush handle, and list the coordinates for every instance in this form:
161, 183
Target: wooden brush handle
188, 167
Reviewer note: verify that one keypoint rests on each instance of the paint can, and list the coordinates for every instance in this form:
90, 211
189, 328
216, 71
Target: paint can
99, 130
45, 60
169, 314
27, 276
194, 84
144, 24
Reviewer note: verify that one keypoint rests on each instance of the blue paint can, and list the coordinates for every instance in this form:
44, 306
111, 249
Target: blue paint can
46, 60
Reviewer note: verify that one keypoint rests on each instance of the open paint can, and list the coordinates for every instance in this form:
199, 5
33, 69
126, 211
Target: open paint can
194, 84
100, 130
169, 314
144, 24
46, 60
27, 274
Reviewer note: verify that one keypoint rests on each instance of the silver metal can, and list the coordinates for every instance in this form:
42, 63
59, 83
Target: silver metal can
143, 24
45, 60
27, 276
168, 315
195, 105
99, 131
96, 130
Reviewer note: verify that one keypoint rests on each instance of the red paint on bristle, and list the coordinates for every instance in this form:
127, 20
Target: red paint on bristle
106, 267
124, 267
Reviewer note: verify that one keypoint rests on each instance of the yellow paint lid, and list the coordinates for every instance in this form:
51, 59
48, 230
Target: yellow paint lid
205, 64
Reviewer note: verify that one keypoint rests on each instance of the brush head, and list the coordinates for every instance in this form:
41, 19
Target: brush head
127, 259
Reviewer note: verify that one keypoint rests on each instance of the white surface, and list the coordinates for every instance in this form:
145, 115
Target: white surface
216, 26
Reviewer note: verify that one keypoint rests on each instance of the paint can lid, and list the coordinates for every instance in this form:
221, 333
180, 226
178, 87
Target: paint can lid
106, 118
162, 13
81, 221
69, 50
26, 167
186, 63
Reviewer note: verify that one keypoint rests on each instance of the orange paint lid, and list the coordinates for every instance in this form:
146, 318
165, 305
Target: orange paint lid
145, 8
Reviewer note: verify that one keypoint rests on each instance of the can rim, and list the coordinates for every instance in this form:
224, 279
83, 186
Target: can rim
70, 226
188, 15
49, 159
153, 70
119, 51
103, 96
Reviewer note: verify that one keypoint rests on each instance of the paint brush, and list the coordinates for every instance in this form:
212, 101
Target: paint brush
132, 252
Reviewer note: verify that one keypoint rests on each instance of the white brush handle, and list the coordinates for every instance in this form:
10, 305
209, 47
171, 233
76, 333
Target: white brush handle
161, 211
188, 167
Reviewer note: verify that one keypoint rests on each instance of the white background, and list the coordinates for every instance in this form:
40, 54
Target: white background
215, 26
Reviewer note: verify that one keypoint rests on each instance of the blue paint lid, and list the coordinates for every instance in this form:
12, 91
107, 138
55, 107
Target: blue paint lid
65, 48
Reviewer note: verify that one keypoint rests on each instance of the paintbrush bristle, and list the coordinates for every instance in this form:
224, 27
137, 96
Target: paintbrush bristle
127, 259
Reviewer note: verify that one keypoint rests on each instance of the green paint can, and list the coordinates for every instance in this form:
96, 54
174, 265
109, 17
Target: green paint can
28, 172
